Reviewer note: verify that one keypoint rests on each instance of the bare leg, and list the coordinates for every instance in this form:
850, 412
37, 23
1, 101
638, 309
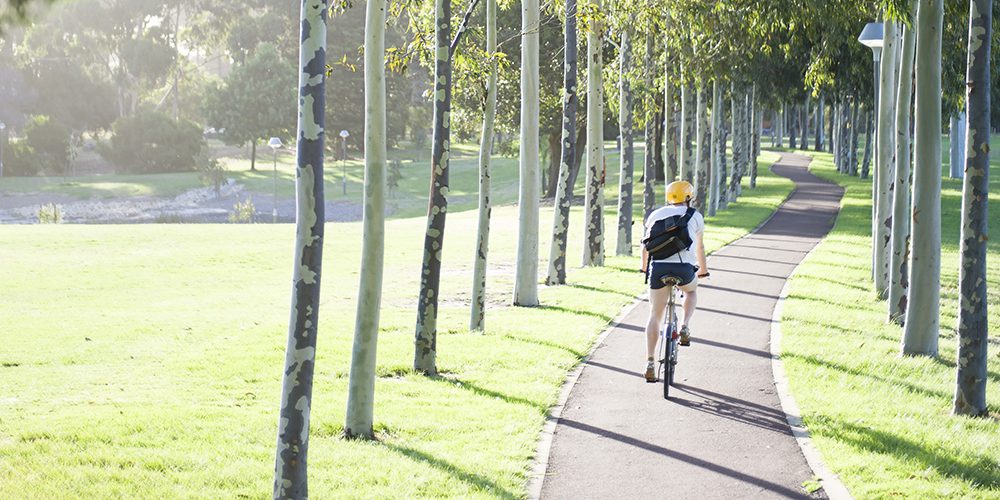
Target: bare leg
690, 301
657, 308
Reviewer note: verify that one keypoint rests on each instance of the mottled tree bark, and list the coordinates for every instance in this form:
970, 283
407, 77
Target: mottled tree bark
564, 190
900, 186
973, 322
687, 156
526, 266
425, 343
717, 148
780, 122
701, 152
670, 129
869, 124
920, 333
593, 247
361, 385
737, 108
649, 160
627, 157
885, 149
852, 164
831, 127
793, 127
819, 139
721, 181
477, 319
291, 457
754, 137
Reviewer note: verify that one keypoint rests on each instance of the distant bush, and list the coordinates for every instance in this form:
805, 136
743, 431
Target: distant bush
212, 172
50, 214
243, 212
43, 150
151, 142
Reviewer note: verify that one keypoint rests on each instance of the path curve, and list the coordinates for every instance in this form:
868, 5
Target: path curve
723, 434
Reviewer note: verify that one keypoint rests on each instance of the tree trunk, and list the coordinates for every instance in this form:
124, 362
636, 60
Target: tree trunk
593, 247
477, 319
780, 123
425, 343
855, 131
526, 268
793, 127
831, 126
658, 160
738, 156
956, 134
670, 131
253, 154
973, 322
717, 148
291, 457
627, 158
701, 154
569, 164
721, 180
555, 155
883, 164
820, 108
361, 386
804, 121
869, 124
754, 137
900, 187
649, 163
688, 110
920, 335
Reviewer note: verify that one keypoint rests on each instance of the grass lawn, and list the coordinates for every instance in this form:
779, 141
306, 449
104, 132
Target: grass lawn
883, 422
145, 360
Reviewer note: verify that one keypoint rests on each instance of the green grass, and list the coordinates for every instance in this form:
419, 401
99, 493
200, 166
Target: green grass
881, 421
144, 361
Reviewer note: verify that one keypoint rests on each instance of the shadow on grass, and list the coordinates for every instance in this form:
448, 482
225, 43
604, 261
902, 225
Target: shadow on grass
489, 393
601, 290
859, 372
545, 343
981, 470
465, 476
606, 318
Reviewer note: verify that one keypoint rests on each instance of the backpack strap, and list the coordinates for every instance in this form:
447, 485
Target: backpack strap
687, 215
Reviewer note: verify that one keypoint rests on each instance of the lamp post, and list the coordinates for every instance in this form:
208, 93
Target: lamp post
343, 139
274, 144
871, 37
3, 137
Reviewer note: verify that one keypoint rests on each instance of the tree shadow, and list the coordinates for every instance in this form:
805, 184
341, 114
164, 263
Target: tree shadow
545, 343
745, 350
735, 409
479, 481
977, 469
707, 286
614, 369
489, 393
601, 290
858, 372
689, 459
606, 318
748, 273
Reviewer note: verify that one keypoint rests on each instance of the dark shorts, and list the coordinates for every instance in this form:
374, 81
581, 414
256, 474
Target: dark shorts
659, 270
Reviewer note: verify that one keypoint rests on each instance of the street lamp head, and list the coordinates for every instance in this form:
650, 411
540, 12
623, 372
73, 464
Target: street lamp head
3, 125
274, 143
344, 134
871, 36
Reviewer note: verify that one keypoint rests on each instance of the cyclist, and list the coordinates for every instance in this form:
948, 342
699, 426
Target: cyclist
680, 265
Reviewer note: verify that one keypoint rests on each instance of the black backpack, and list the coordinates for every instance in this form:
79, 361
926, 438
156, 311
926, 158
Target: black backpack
668, 237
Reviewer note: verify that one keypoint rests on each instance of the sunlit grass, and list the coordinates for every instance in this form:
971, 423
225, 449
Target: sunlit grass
881, 421
144, 361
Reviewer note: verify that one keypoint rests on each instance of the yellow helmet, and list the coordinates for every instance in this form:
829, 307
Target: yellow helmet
679, 192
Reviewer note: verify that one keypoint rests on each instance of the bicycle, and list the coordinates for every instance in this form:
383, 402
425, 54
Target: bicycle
669, 338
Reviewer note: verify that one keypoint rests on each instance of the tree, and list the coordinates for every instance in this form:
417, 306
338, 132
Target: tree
564, 191
361, 387
430, 276
253, 104
593, 247
478, 313
884, 158
526, 267
627, 160
900, 185
973, 322
920, 334
290, 474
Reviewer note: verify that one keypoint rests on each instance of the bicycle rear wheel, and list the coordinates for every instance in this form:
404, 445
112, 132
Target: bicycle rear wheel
669, 350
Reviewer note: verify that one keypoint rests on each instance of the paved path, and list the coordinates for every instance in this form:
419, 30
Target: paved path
723, 433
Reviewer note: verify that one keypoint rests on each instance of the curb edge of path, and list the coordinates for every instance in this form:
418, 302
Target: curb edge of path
543, 449
830, 482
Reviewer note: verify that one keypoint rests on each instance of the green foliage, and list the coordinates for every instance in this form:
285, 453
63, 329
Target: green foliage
50, 213
257, 99
212, 172
45, 149
152, 142
395, 174
243, 212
